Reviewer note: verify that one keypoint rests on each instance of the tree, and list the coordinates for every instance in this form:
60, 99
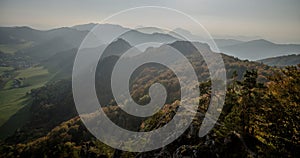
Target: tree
248, 101
282, 112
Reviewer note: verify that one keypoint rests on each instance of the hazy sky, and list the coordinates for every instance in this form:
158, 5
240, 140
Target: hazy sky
276, 20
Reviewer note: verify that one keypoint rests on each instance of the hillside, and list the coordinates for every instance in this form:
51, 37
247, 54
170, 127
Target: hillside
281, 61
61, 66
15, 35
243, 137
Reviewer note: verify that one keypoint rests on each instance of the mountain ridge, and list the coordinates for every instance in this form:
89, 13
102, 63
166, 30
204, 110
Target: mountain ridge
259, 49
282, 61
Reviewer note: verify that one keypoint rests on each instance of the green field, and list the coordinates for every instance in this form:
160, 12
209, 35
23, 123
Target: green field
31, 77
13, 48
3, 69
13, 99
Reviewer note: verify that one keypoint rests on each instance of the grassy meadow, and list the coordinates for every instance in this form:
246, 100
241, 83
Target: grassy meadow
13, 98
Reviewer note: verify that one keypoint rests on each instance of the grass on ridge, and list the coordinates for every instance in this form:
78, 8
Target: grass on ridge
13, 48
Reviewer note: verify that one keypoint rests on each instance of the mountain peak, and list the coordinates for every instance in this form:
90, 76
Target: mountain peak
121, 41
261, 41
181, 30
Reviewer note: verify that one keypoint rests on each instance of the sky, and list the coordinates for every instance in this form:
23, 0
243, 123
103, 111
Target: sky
274, 20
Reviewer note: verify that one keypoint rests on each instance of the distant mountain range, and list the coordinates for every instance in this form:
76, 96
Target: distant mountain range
48, 43
14, 35
227, 42
260, 49
251, 50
